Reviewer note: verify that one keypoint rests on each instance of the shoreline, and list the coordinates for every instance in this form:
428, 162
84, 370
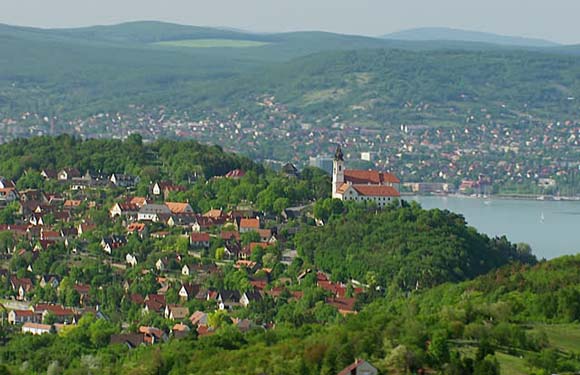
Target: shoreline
522, 197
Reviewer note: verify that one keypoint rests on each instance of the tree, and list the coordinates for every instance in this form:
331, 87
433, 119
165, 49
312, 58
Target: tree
439, 348
218, 319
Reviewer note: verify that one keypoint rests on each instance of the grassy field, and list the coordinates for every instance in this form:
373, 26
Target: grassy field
511, 365
212, 43
565, 337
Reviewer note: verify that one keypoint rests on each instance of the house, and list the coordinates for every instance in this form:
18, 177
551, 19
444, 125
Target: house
215, 214
83, 290
248, 225
188, 291
49, 174
124, 180
131, 340
131, 260
6, 183
235, 174
67, 174
250, 265
152, 335
36, 328
362, 186
359, 367
85, 228
139, 201
162, 264
289, 170
228, 299
23, 316
124, 209
199, 240
59, 313
136, 228
176, 312
71, 204
344, 305
180, 330
198, 318
153, 212
166, 188
183, 220
8, 195
49, 280
22, 286
154, 303
230, 235
250, 297
266, 236
179, 208
187, 269
113, 242
158, 187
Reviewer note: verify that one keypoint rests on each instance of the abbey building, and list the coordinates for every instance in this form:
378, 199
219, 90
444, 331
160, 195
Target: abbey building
360, 185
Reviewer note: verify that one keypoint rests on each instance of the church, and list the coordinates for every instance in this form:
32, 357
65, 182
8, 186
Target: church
360, 185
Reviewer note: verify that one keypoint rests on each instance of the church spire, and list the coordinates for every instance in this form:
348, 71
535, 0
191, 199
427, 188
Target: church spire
338, 156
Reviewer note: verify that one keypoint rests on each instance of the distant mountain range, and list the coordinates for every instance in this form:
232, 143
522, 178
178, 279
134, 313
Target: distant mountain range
448, 34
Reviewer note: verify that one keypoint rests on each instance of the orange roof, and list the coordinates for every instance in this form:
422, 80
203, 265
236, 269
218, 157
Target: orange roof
250, 223
254, 245
342, 188
177, 207
369, 177
139, 227
376, 190
138, 201
213, 213
199, 237
72, 203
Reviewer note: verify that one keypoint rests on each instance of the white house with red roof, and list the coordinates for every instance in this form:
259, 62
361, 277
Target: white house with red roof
360, 185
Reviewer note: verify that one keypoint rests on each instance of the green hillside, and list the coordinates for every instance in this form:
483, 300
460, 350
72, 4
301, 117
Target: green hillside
405, 248
368, 81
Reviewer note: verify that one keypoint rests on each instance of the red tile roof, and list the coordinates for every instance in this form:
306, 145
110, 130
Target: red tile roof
199, 237
250, 223
369, 177
376, 190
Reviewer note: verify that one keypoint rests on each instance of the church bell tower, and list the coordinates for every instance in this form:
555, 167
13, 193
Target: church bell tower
337, 171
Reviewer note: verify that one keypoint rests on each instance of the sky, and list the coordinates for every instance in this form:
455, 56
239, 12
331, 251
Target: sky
554, 20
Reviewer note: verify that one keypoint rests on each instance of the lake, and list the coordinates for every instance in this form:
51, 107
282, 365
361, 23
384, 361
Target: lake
549, 227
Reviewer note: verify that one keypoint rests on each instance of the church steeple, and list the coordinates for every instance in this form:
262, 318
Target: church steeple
337, 171
338, 156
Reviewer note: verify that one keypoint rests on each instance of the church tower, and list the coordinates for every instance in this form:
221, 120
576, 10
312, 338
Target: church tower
337, 171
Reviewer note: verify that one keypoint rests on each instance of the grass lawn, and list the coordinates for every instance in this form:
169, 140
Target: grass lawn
212, 43
562, 336
511, 365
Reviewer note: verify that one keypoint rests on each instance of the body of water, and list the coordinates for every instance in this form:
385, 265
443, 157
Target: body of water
551, 228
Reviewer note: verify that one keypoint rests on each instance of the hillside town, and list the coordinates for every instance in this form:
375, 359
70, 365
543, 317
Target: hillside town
482, 156
154, 268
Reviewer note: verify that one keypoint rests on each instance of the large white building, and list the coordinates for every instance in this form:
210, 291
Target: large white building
360, 185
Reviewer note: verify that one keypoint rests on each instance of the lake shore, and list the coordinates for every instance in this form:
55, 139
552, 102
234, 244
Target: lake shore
549, 227
523, 197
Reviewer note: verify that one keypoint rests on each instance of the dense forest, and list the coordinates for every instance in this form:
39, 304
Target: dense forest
402, 247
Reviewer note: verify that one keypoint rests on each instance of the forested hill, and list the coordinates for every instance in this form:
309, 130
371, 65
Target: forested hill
407, 248
175, 160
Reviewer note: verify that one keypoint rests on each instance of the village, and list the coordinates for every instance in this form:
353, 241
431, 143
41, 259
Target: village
152, 267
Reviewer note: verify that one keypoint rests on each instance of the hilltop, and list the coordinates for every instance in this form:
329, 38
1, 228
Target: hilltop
448, 34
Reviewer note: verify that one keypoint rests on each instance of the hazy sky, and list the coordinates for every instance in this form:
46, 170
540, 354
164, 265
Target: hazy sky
553, 19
